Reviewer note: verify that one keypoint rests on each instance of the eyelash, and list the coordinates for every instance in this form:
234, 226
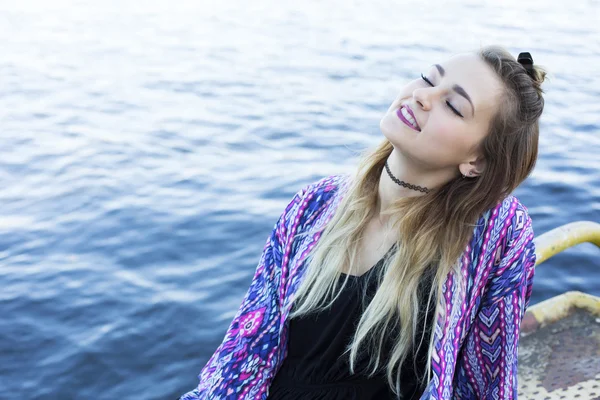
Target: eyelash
454, 110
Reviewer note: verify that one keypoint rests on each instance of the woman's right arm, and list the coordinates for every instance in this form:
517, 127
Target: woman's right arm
241, 366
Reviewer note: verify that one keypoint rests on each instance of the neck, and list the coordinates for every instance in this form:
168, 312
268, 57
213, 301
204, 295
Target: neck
409, 172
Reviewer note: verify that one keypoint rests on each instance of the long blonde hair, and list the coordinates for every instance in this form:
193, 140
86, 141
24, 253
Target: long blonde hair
433, 228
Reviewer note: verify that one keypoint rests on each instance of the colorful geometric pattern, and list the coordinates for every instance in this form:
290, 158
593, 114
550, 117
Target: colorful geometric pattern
475, 343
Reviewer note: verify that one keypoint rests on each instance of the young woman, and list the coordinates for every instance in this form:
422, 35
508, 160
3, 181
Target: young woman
409, 278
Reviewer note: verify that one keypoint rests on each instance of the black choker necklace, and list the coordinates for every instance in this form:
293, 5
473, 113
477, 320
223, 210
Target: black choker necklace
402, 183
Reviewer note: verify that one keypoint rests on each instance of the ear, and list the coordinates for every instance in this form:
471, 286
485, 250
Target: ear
473, 167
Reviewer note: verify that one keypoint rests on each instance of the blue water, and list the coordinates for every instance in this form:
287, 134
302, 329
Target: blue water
147, 149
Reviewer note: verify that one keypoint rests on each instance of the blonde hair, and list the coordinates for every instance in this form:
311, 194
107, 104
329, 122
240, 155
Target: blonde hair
433, 228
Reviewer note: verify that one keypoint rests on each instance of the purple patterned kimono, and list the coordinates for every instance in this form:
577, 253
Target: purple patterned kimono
475, 344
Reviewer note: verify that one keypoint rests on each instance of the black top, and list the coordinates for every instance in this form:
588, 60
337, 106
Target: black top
313, 368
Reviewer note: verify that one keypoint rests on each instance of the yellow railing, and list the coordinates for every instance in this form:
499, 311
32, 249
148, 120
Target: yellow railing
567, 324
553, 242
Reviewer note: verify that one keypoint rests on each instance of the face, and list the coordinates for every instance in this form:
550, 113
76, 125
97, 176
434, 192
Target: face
452, 108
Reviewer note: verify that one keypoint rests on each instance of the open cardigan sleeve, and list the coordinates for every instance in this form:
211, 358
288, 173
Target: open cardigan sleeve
491, 347
241, 365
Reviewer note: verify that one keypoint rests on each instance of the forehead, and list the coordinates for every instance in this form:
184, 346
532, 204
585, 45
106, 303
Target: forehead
477, 78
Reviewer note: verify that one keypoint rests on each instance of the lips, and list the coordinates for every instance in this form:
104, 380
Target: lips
404, 119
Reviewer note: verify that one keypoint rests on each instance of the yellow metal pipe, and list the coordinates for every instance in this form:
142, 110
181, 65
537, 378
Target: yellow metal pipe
559, 307
553, 242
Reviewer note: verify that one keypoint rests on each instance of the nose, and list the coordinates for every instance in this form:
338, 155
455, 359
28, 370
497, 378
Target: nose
424, 97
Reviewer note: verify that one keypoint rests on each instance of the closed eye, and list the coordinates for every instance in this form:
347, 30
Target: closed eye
454, 110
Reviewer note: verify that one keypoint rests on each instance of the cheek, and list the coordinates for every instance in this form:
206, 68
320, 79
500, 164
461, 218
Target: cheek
445, 142
442, 130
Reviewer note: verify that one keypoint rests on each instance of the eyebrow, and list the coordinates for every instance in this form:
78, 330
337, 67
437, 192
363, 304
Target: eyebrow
457, 88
